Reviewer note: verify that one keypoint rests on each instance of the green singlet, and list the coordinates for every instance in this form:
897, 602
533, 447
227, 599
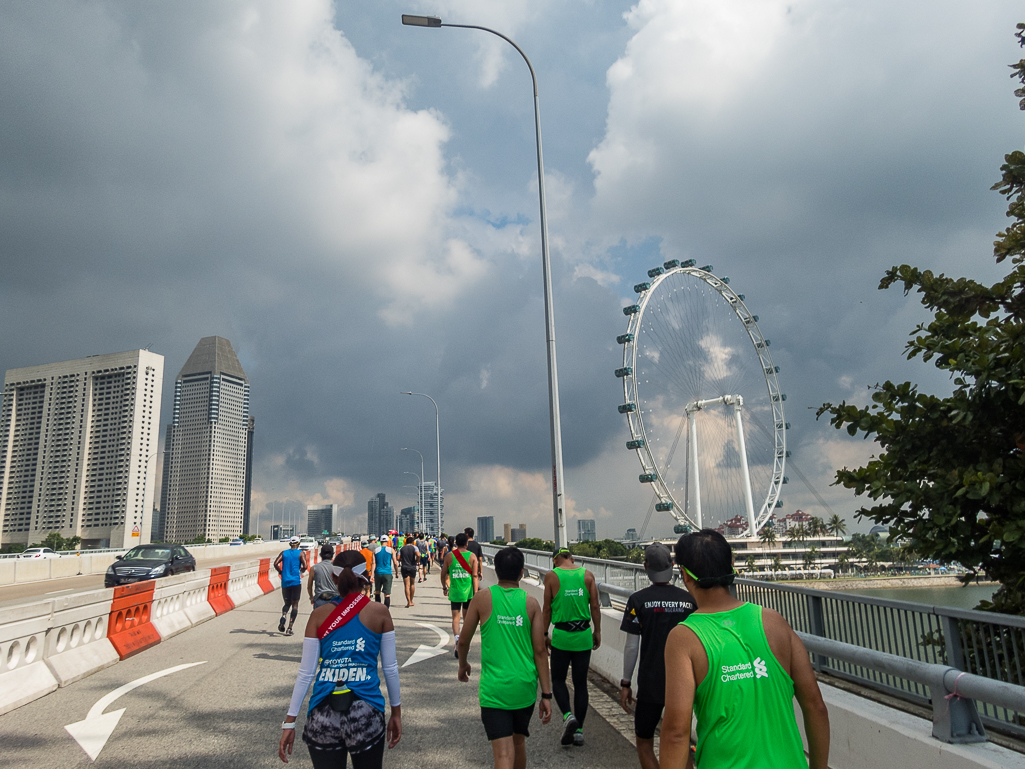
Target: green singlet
508, 676
571, 602
460, 583
745, 705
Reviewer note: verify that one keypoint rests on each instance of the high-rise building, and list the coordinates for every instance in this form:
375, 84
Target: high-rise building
373, 527
246, 508
380, 515
76, 443
320, 519
407, 519
432, 515
631, 535
206, 444
586, 530
507, 532
518, 533
485, 528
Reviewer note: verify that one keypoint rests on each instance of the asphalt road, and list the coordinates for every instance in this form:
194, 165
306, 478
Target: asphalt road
21, 592
227, 711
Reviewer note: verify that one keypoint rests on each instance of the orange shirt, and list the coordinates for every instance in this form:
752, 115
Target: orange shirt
368, 554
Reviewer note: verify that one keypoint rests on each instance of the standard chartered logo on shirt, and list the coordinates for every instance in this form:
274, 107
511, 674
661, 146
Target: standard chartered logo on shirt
516, 621
573, 593
756, 669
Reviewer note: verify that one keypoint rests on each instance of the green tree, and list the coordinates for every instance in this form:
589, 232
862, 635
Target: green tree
749, 563
949, 475
767, 535
777, 563
816, 527
836, 526
534, 543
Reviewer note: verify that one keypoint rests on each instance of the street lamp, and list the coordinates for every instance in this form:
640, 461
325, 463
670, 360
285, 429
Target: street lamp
553, 376
437, 427
420, 493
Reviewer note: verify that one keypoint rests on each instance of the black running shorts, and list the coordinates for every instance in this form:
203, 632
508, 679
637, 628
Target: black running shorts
499, 723
646, 718
459, 605
291, 594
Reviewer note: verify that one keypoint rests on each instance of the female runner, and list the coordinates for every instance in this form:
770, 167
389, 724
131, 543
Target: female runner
346, 714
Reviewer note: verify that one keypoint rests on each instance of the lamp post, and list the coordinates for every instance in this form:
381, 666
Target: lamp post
419, 492
437, 427
553, 376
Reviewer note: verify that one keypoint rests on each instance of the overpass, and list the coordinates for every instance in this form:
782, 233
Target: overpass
212, 687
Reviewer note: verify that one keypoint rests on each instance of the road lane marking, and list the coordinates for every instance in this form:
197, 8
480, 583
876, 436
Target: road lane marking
425, 652
92, 733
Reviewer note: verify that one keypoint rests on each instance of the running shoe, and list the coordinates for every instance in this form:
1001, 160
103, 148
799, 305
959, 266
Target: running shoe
578, 738
281, 625
569, 730
288, 632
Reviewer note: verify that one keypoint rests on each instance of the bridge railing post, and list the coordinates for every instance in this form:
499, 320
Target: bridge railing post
816, 626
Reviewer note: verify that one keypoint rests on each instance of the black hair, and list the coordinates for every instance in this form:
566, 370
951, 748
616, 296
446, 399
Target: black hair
468, 531
708, 557
347, 581
461, 539
327, 551
509, 564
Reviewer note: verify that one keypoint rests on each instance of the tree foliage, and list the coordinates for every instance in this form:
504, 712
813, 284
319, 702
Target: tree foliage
950, 474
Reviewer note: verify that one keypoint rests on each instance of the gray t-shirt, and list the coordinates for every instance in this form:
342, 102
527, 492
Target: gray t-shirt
323, 582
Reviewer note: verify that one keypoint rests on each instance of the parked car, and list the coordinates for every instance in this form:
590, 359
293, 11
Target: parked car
39, 552
149, 562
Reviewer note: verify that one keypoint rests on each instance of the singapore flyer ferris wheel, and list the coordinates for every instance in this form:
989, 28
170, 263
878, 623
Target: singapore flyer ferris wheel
703, 402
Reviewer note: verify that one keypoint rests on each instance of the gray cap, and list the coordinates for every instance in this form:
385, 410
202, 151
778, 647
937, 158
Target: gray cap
658, 562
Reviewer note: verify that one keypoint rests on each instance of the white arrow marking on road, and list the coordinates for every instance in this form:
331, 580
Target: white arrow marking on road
92, 733
426, 652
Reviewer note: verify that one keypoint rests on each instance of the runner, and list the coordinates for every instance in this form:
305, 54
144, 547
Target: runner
425, 561
512, 660
432, 547
650, 614
571, 602
367, 551
321, 584
385, 566
474, 547
738, 667
346, 712
409, 559
459, 580
291, 564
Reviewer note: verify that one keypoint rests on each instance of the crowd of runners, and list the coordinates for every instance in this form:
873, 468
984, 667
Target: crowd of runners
736, 667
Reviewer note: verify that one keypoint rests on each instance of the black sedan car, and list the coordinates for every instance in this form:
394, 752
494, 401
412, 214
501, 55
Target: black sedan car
149, 562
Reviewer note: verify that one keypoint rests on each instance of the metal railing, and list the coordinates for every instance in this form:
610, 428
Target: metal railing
983, 644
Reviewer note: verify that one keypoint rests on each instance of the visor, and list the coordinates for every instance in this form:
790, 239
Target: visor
358, 569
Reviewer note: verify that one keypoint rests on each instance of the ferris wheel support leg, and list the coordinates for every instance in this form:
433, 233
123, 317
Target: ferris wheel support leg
745, 472
694, 466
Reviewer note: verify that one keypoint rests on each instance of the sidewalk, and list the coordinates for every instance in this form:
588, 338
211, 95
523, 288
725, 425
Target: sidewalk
441, 716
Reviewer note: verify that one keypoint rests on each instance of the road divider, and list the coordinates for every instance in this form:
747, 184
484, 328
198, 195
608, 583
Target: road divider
53, 642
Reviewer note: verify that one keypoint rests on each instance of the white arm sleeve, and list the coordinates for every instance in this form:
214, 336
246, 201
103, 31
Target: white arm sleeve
633, 645
390, 663
307, 671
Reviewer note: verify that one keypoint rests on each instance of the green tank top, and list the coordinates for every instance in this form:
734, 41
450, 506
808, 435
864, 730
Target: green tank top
745, 705
460, 582
508, 676
571, 602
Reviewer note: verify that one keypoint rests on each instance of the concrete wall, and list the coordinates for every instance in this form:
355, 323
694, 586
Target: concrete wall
863, 733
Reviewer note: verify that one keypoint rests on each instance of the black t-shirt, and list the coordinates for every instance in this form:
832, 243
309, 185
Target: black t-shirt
409, 557
474, 547
651, 613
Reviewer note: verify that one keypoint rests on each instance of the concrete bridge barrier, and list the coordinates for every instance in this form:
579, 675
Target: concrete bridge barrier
242, 582
23, 674
76, 639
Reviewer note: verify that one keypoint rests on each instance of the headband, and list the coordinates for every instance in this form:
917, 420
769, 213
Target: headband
358, 569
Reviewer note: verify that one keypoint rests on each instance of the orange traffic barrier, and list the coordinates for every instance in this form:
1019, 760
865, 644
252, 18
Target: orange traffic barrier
263, 576
129, 628
338, 549
217, 593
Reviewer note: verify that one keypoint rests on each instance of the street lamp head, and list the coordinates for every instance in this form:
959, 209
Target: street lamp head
420, 21
405, 393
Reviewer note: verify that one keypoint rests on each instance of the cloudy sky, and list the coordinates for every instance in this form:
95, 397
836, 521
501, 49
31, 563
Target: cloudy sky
353, 203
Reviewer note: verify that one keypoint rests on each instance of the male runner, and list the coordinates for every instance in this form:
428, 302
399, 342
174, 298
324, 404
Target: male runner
321, 584
425, 560
385, 565
512, 660
738, 667
474, 547
409, 560
571, 602
459, 580
367, 551
291, 564
650, 614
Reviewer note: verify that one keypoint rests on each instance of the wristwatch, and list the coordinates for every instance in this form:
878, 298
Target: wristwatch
625, 684
546, 695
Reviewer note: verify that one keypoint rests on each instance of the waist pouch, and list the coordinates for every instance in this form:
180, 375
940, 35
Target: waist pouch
341, 700
326, 596
574, 626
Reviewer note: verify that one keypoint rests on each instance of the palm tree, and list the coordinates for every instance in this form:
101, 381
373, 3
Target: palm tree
836, 526
810, 556
777, 563
750, 563
816, 527
842, 561
793, 534
767, 535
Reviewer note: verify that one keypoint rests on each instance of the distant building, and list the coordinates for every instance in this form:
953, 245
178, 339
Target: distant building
281, 530
249, 478
507, 532
485, 528
320, 519
77, 444
631, 535
407, 519
519, 533
432, 515
586, 530
380, 516
206, 445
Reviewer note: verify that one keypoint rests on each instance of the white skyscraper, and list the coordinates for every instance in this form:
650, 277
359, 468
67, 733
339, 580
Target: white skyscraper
205, 463
432, 515
76, 443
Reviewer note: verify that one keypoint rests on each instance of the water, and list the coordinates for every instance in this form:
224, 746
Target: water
956, 596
